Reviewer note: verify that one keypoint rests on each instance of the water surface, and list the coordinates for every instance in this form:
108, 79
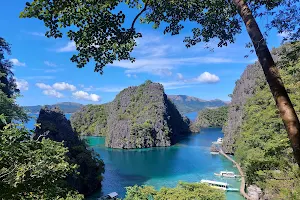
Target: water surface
189, 160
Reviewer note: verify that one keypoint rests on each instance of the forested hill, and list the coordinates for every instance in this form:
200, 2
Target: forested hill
210, 117
186, 104
66, 107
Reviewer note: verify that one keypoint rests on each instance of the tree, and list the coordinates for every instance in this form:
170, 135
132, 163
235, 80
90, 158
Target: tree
8, 83
33, 169
183, 191
100, 33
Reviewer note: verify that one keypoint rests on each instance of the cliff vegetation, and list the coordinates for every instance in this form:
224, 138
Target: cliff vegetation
216, 117
262, 146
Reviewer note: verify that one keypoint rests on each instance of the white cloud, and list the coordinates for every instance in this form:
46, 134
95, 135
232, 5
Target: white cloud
22, 84
16, 62
103, 89
37, 34
64, 86
50, 64
43, 86
207, 77
284, 34
40, 77
179, 76
71, 46
86, 96
53, 93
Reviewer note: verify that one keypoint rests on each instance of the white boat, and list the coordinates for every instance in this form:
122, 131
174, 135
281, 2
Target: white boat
219, 185
112, 195
227, 174
214, 153
219, 141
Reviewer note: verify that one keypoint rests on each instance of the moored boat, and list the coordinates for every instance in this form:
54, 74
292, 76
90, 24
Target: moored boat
112, 195
227, 174
219, 141
219, 185
214, 150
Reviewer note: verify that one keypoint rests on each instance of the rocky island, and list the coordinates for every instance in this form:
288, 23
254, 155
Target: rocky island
139, 117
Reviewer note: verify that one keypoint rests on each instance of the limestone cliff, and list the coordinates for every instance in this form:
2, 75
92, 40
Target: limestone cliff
244, 89
54, 125
143, 116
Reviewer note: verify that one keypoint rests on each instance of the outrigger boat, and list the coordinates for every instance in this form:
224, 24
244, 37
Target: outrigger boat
227, 174
219, 185
219, 141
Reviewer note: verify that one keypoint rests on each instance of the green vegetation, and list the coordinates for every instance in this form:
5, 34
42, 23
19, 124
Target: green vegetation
183, 191
32, 169
32, 166
66, 107
91, 120
210, 118
263, 147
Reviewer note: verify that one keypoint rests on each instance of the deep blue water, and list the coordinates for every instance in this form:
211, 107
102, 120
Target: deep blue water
189, 160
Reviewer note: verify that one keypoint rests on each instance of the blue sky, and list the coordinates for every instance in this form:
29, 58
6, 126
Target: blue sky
46, 75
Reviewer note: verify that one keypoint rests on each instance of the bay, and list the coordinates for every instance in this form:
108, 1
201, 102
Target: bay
189, 160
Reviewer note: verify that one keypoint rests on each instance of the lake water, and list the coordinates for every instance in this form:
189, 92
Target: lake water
189, 160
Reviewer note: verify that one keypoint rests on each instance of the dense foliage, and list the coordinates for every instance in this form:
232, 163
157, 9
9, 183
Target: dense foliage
186, 104
263, 147
91, 120
101, 34
32, 169
55, 126
210, 118
66, 107
183, 191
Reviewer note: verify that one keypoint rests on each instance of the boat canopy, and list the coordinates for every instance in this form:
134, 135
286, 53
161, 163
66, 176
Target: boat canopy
215, 183
226, 172
113, 195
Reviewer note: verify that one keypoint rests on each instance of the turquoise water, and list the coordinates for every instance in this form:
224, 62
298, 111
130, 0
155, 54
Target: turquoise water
189, 160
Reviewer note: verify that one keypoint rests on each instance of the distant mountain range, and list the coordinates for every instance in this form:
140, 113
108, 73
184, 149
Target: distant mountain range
66, 107
186, 104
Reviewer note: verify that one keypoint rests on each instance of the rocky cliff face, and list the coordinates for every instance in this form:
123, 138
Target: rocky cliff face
244, 89
143, 116
55, 126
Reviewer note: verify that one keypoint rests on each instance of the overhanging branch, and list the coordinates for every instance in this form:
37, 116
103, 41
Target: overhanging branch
139, 14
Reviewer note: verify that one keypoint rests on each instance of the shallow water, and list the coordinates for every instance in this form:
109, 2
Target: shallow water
189, 160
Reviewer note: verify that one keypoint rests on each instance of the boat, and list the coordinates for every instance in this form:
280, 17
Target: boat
219, 185
112, 195
227, 174
219, 141
214, 150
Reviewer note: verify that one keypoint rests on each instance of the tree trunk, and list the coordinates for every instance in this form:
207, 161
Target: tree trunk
283, 102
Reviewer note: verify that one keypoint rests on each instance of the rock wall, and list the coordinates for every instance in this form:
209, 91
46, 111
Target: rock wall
244, 89
143, 116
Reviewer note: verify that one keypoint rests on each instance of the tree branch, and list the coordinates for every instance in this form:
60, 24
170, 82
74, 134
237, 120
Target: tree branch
139, 14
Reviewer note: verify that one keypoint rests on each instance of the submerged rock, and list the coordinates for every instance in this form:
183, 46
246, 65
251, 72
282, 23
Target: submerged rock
55, 126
